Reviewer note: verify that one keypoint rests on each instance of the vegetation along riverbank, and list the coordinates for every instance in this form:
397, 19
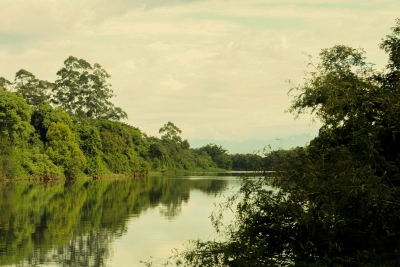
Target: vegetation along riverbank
69, 128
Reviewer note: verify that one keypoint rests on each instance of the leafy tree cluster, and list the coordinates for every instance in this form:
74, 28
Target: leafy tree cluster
256, 162
218, 154
246, 162
335, 202
82, 89
171, 152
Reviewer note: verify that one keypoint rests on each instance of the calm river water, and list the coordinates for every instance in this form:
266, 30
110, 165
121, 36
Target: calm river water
110, 222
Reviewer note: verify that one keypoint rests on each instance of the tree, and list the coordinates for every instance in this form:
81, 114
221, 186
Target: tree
171, 151
82, 90
203, 160
33, 90
219, 155
44, 115
336, 201
91, 145
170, 146
15, 115
170, 132
4, 83
21, 151
250, 162
63, 150
158, 151
121, 147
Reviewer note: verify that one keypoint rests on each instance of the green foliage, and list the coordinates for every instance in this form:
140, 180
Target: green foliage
122, 147
158, 154
390, 46
33, 90
203, 160
15, 115
255, 162
7, 161
170, 132
91, 145
175, 153
276, 158
82, 90
334, 202
248, 162
172, 153
63, 149
4, 83
45, 115
37, 164
219, 155
21, 151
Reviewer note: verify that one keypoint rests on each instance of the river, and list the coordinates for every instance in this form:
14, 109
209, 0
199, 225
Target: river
110, 222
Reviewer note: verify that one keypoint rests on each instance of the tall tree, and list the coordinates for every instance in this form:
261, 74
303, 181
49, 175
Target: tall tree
170, 132
33, 90
4, 83
219, 155
83, 90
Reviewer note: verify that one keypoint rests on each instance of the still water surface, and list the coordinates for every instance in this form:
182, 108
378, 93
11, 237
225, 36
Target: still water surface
111, 222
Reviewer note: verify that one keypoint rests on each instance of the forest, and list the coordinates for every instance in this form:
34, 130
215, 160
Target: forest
69, 128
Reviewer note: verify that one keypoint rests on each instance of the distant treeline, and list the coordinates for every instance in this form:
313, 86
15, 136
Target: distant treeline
69, 128
264, 162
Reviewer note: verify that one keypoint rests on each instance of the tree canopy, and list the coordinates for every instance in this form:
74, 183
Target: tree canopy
63, 149
82, 90
218, 154
15, 116
33, 90
170, 132
4, 83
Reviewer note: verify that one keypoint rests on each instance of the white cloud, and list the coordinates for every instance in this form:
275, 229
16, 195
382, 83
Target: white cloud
190, 57
173, 83
161, 46
130, 64
284, 41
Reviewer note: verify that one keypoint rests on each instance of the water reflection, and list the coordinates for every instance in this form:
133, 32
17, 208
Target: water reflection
74, 224
91, 249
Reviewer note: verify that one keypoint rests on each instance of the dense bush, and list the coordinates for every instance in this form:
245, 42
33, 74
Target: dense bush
63, 149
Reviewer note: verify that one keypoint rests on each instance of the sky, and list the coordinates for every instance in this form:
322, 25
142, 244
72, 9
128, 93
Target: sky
217, 69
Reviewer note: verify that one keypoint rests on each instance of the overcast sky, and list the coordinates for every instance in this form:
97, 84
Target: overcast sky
215, 68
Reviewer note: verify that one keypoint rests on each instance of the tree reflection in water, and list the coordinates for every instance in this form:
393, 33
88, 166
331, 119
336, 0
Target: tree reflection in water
91, 250
73, 224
